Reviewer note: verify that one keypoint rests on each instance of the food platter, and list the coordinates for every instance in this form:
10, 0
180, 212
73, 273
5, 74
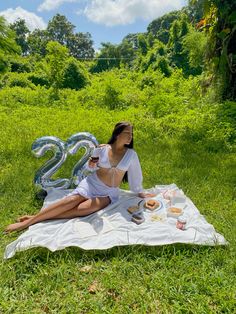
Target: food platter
174, 212
159, 205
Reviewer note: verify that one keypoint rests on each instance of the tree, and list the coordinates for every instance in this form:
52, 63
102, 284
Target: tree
56, 58
113, 56
81, 45
175, 44
160, 27
196, 10
194, 44
60, 29
108, 58
150, 39
37, 42
132, 39
111, 97
156, 59
142, 44
8, 44
7, 38
127, 52
22, 31
163, 66
21, 64
179, 56
219, 22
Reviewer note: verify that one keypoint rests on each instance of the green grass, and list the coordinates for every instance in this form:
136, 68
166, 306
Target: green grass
137, 279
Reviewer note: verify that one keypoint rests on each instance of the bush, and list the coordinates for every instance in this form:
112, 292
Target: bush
17, 79
207, 130
217, 137
149, 79
75, 76
111, 98
227, 112
113, 89
4, 63
39, 79
162, 65
163, 104
15, 97
20, 65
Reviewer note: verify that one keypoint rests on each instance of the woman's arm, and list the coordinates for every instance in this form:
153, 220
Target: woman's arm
135, 178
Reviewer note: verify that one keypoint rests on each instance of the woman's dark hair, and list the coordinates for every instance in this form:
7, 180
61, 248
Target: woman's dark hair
119, 127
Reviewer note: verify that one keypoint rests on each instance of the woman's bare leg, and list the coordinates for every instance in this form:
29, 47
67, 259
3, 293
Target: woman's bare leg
93, 203
49, 212
85, 208
54, 205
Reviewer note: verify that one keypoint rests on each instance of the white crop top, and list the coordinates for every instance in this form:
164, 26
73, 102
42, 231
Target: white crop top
129, 162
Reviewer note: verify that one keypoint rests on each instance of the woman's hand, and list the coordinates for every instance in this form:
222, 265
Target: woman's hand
144, 195
93, 162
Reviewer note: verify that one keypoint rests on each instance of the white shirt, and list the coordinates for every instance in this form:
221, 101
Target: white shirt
129, 162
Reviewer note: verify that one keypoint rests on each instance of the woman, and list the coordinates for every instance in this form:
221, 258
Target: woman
113, 163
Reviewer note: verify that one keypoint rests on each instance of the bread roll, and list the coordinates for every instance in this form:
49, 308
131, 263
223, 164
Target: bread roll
174, 212
151, 204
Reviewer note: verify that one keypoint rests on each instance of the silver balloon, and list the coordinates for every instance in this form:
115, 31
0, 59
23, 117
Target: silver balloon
43, 175
74, 143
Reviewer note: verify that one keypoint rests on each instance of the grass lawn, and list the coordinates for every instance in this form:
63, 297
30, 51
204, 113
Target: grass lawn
166, 279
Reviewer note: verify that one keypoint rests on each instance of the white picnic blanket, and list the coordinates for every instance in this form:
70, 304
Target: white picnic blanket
112, 226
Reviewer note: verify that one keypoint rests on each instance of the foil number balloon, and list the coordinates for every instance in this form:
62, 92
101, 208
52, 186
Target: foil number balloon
42, 176
75, 142
61, 150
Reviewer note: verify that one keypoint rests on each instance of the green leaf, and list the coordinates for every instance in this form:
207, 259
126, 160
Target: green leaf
222, 34
232, 17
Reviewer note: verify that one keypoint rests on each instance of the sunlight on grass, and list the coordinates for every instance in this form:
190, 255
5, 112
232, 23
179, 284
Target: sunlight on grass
168, 279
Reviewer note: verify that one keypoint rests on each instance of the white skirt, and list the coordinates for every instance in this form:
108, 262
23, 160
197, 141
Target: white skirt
92, 187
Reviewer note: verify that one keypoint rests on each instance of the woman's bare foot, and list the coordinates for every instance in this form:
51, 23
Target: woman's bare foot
16, 227
23, 218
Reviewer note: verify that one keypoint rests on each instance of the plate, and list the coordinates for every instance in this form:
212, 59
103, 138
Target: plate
149, 210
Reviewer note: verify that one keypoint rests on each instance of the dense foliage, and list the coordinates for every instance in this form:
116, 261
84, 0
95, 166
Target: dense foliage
199, 40
59, 29
184, 60
218, 21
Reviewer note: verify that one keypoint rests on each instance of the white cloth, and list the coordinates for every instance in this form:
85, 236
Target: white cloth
112, 226
92, 186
